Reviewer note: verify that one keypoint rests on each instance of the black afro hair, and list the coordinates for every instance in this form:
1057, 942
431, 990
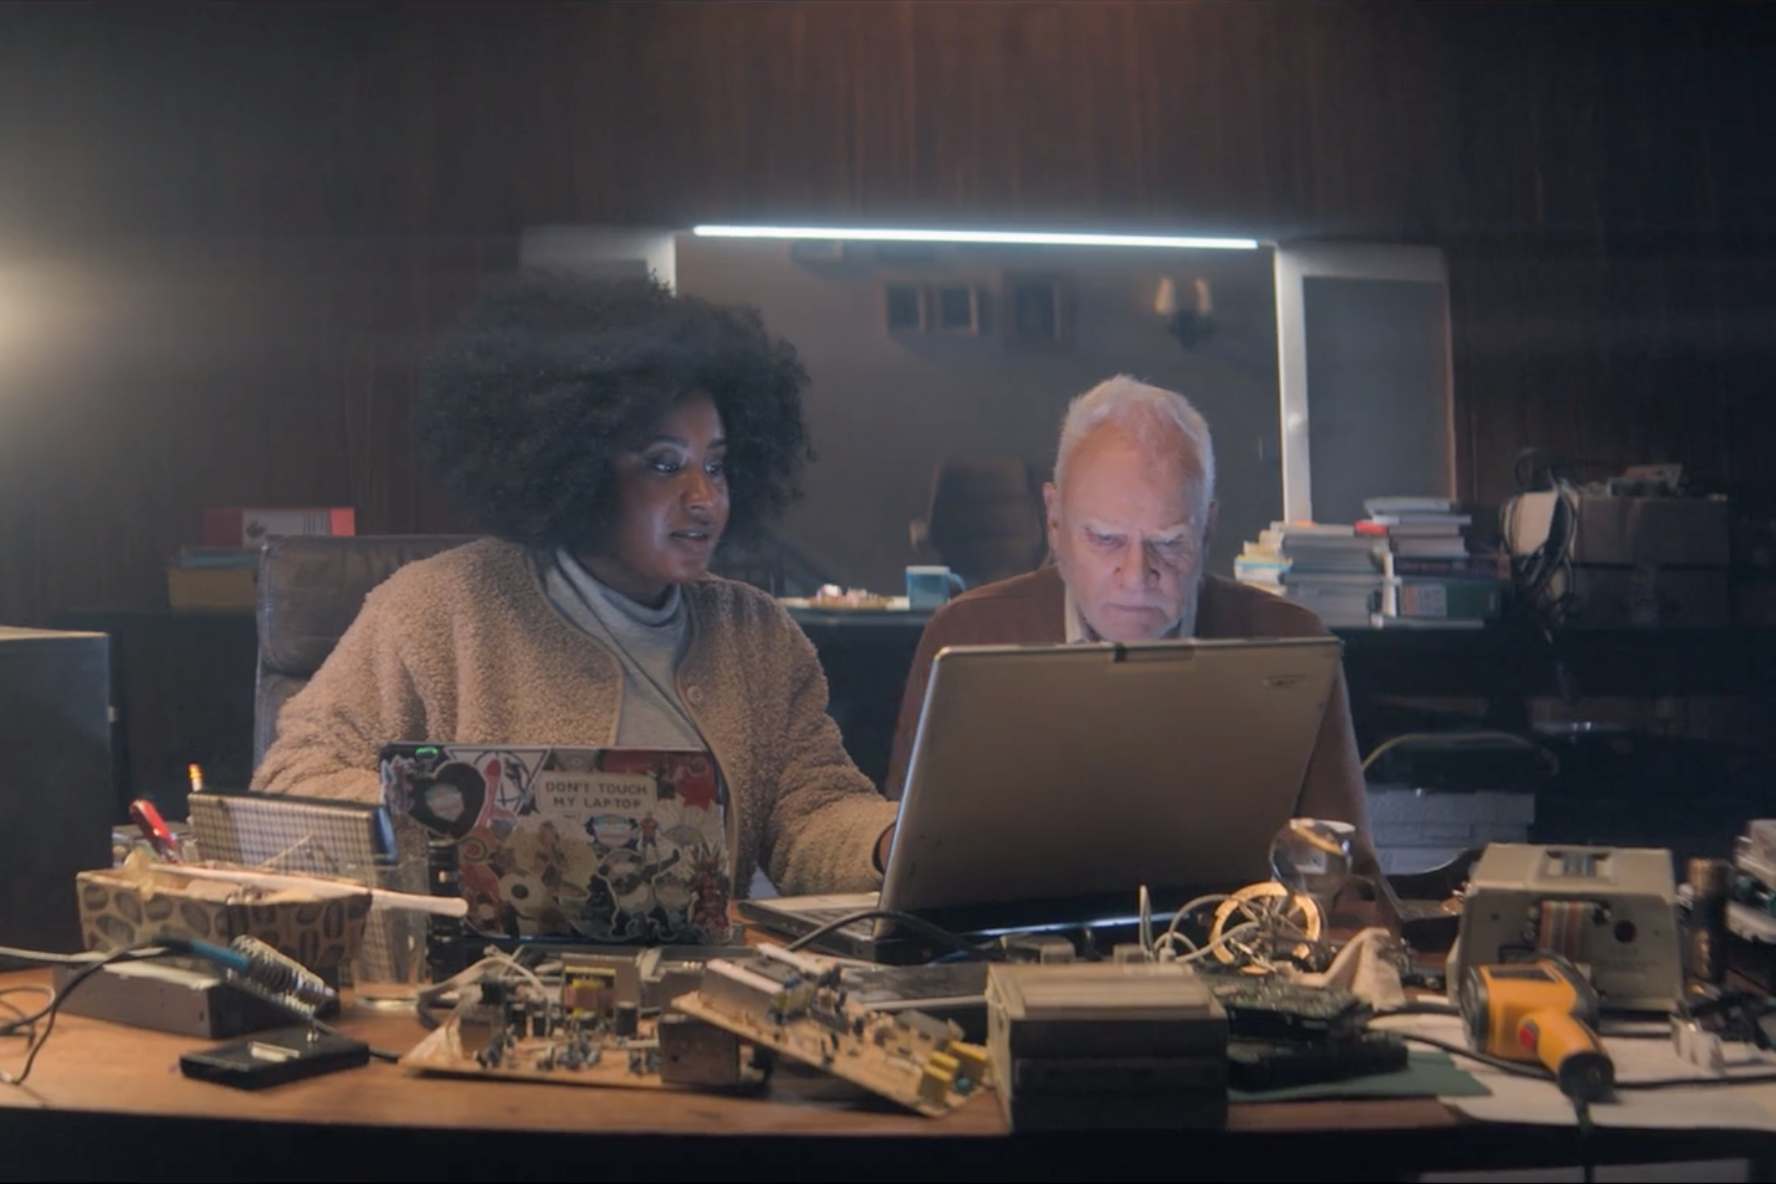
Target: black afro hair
524, 408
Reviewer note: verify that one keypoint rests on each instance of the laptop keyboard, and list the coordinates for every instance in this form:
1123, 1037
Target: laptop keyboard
826, 916
799, 916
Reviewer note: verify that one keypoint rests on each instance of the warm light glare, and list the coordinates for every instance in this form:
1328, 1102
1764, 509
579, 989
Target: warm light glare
43, 308
1005, 237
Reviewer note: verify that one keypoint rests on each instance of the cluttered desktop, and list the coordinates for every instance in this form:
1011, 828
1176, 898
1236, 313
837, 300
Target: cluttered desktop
534, 943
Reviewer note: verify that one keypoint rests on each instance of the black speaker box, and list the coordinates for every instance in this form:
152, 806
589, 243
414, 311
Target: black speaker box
56, 798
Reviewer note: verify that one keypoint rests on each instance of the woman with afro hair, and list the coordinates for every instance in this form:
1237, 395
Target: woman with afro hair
606, 434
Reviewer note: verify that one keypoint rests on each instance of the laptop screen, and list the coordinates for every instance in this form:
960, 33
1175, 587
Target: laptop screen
619, 845
1042, 775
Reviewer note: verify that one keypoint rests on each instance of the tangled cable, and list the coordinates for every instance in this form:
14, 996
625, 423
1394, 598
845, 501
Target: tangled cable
1262, 928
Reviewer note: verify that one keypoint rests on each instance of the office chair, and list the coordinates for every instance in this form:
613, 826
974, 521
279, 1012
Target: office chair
310, 591
985, 520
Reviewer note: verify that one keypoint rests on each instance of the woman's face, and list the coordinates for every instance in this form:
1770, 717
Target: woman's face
672, 505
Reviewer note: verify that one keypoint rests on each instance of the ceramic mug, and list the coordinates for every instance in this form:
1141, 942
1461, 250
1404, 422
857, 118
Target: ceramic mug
930, 587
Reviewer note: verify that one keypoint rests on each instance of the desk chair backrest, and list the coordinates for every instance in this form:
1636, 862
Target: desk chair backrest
985, 519
310, 591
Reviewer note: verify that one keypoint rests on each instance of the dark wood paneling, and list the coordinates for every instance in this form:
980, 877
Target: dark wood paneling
252, 217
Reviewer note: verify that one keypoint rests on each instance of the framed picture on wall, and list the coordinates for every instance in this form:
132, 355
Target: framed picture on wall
958, 308
907, 309
1037, 310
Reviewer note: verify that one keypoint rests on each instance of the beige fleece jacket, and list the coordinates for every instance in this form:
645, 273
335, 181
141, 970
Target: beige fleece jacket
466, 647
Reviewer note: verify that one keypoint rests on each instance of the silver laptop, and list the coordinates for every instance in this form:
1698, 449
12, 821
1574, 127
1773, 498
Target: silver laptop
1047, 783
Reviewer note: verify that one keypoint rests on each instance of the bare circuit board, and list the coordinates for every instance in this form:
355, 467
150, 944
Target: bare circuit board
796, 1006
579, 1035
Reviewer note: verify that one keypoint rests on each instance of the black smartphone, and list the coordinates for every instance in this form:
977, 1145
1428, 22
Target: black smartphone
272, 1058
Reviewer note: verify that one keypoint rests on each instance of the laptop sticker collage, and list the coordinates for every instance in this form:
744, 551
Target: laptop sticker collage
603, 845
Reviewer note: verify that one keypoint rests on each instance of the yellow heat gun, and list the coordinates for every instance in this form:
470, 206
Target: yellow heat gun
1542, 1010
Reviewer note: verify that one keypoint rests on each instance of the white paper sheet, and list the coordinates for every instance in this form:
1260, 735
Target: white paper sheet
1687, 1107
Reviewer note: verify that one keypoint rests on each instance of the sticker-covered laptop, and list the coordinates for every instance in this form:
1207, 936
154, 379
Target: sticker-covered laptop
619, 845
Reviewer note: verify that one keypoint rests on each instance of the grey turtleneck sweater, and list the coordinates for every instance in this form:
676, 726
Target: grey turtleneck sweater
647, 642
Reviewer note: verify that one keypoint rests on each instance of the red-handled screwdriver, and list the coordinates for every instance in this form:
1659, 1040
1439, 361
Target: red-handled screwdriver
160, 836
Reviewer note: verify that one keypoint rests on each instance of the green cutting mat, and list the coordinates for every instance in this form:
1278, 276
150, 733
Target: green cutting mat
1428, 1074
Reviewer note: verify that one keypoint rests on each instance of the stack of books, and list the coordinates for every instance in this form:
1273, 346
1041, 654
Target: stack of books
1438, 581
213, 578
1328, 567
222, 572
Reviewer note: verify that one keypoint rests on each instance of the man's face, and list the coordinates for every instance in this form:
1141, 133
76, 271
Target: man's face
1128, 538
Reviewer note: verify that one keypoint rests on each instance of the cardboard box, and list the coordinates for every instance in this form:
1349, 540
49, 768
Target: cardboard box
250, 526
118, 909
1647, 561
1648, 595
1666, 531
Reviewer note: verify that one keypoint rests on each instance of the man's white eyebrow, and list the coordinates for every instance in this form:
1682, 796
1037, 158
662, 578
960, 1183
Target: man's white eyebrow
1162, 538
1166, 538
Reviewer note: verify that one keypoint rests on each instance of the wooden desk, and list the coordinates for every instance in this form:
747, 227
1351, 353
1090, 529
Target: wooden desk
109, 1102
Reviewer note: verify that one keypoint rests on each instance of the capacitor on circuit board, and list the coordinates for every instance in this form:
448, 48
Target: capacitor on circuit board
1709, 882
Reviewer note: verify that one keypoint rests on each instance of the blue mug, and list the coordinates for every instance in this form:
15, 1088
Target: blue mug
931, 587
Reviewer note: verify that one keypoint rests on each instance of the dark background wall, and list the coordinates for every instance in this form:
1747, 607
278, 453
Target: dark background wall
885, 408
227, 231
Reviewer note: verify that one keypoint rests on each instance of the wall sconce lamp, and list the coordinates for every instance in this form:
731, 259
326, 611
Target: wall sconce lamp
1191, 322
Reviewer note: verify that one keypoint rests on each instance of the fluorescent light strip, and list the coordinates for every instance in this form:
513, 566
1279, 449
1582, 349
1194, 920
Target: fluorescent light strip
1007, 237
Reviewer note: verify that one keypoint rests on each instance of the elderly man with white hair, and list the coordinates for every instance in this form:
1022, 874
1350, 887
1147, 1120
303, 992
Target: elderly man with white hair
1130, 512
